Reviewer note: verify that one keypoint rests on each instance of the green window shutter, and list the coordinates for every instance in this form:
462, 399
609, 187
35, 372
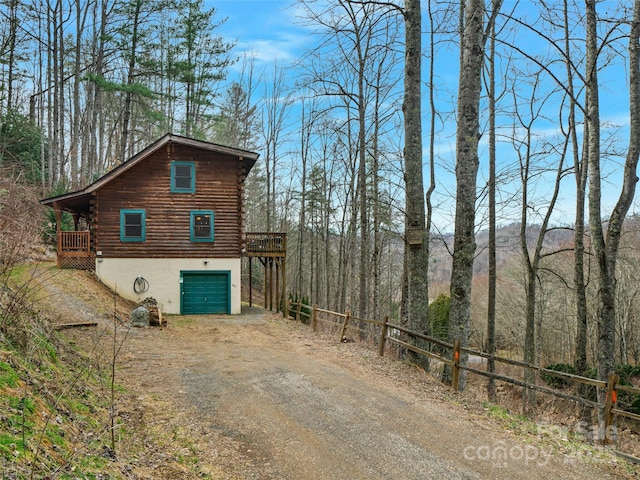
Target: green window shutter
201, 226
183, 177
133, 226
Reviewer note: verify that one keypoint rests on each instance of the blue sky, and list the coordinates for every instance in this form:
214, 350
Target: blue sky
266, 28
270, 31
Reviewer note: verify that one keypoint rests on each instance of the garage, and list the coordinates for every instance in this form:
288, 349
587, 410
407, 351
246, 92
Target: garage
205, 292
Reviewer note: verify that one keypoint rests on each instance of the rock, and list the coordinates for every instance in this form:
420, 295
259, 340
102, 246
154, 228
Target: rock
140, 317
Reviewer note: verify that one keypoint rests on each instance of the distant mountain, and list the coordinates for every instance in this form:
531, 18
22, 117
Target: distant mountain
507, 247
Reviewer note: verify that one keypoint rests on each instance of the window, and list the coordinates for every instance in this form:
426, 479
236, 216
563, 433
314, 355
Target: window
183, 177
201, 224
132, 226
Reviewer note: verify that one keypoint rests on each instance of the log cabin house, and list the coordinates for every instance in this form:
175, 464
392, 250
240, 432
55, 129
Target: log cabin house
167, 224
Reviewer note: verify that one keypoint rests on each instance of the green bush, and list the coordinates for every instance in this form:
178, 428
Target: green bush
626, 401
439, 320
626, 372
305, 311
20, 146
558, 382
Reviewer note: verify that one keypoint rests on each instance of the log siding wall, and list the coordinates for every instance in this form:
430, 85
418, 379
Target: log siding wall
147, 185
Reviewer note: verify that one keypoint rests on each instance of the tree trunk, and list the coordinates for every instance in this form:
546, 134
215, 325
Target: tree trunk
304, 146
76, 138
363, 266
432, 137
416, 237
491, 293
605, 299
11, 57
606, 250
467, 137
375, 257
60, 92
128, 97
580, 173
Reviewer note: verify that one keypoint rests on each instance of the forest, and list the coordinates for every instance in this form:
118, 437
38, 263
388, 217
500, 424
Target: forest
483, 150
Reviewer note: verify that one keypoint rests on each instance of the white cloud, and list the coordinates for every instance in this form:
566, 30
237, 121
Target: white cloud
282, 48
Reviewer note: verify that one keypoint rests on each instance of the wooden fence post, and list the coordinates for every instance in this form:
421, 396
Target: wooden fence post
314, 318
285, 308
455, 367
344, 325
609, 404
383, 336
298, 311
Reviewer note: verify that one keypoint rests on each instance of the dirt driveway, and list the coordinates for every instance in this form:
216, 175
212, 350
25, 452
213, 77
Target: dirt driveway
255, 396
267, 399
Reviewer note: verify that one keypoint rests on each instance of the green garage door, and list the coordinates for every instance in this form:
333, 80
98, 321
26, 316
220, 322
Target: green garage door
205, 292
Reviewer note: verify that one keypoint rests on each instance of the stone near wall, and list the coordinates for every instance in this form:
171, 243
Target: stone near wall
140, 317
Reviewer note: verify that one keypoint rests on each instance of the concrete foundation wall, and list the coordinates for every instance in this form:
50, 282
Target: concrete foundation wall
163, 277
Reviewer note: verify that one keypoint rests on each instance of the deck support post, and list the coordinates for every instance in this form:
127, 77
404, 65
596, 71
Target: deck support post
271, 251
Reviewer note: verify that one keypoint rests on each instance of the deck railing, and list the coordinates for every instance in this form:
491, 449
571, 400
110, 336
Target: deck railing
263, 243
74, 244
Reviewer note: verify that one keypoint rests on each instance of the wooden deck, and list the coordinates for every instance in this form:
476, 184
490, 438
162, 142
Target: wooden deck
74, 250
263, 244
271, 250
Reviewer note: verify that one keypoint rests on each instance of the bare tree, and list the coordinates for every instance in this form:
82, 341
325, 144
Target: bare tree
276, 106
416, 233
491, 187
350, 68
606, 240
133, 11
530, 169
580, 169
467, 136
415, 290
8, 50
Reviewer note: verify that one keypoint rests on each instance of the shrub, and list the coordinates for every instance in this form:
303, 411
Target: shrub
305, 311
20, 220
20, 146
626, 401
439, 316
554, 381
439, 320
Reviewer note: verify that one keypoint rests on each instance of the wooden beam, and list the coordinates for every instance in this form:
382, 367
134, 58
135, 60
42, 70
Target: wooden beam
56, 210
64, 326
250, 283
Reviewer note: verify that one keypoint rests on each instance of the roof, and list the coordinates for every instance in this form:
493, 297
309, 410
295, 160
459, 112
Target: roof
78, 201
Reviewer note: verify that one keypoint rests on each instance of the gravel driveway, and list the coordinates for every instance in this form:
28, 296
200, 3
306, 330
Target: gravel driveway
265, 398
